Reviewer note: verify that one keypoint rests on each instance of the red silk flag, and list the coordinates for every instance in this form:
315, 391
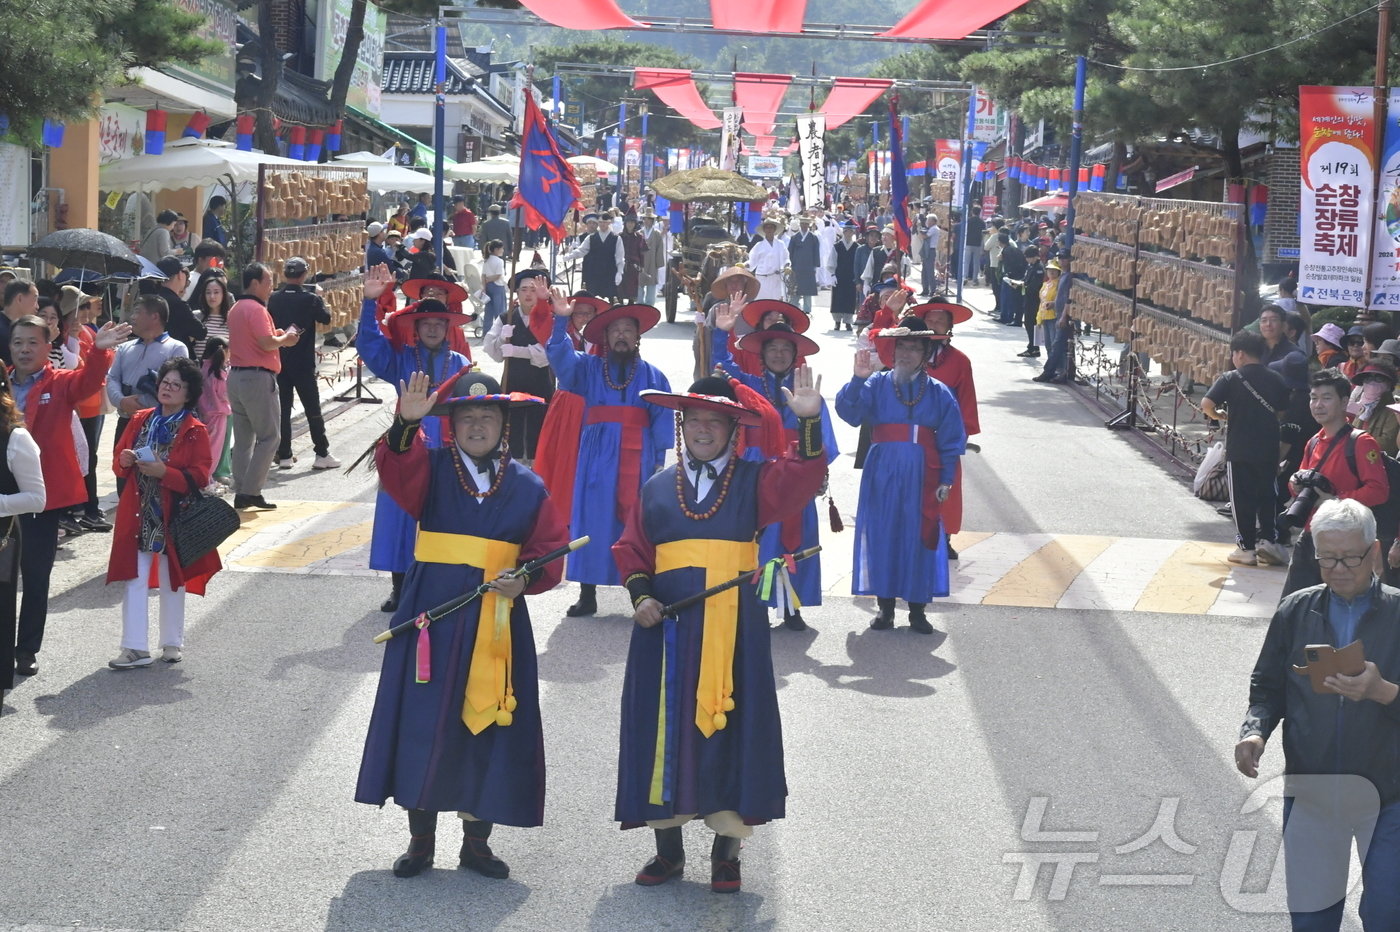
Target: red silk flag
950, 19
760, 95
758, 16
547, 188
849, 97
676, 89
582, 14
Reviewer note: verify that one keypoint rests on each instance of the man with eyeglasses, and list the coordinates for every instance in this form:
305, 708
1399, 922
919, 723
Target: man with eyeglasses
1339, 744
1339, 462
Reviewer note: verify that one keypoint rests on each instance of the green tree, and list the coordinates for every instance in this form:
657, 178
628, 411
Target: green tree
59, 54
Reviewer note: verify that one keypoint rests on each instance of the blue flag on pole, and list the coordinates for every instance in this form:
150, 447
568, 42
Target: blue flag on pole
547, 189
899, 184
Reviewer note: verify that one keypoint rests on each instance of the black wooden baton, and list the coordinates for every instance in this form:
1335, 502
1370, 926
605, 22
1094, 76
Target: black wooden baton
676, 607
447, 608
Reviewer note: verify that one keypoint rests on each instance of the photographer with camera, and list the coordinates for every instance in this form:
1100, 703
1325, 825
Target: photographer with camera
1338, 462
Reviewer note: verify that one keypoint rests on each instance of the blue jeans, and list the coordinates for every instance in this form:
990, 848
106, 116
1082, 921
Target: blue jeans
647, 295
464, 242
495, 304
1380, 866
1010, 302
805, 302
1057, 363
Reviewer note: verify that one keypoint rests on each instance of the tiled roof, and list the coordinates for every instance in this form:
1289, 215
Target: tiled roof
412, 73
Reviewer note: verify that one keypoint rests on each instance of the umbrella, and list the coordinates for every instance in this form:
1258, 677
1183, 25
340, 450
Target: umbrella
602, 165
1048, 202
707, 184
86, 249
81, 276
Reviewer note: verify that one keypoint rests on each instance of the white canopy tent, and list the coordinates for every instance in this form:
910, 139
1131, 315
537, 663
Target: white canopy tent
188, 163
497, 168
385, 176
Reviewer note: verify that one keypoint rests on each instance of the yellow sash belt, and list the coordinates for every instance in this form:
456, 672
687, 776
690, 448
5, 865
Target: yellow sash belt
722, 560
490, 696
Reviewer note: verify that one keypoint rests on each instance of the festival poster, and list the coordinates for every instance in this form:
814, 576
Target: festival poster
1337, 135
1385, 265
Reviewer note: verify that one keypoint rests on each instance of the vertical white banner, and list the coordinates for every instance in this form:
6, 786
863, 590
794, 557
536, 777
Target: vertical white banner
729, 139
811, 147
1338, 134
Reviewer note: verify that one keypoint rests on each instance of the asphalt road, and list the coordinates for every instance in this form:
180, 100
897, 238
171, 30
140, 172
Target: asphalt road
933, 780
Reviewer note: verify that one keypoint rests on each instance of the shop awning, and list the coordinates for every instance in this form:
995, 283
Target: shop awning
187, 163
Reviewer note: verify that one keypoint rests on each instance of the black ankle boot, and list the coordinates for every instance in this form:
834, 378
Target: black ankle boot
391, 604
794, 622
669, 860
476, 853
724, 865
422, 827
884, 620
587, 603
917, 621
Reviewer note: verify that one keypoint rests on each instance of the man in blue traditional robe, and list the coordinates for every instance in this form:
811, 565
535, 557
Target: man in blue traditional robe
917, 436
779, 346
391, 547
701, 734
456, 722
623, 440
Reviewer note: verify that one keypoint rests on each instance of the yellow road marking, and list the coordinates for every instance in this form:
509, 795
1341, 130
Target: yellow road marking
307, 550
965, 539
255, 522
1189, 582
1042, 578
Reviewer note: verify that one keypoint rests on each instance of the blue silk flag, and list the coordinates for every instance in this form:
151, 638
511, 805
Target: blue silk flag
899, 184
547, 190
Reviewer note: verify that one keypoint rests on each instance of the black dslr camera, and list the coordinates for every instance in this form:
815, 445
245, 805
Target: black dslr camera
1311, 485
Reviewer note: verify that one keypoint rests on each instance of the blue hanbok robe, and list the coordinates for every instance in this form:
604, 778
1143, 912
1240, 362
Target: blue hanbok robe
737, 768
893, 556
418, 751
807, 581
391, 546
600, 501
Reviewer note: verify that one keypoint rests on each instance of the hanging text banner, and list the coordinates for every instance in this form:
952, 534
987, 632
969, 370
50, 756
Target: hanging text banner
1337, 133
811, 142
729, 139
988, 120
1385, 267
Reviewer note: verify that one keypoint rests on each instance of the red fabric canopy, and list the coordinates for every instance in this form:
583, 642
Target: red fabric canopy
760, 95
950, 19
849, 97
764, 144
758, 16
677, 90
582, 14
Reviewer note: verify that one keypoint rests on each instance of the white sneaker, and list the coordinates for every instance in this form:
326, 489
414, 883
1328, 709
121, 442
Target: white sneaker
326, 462
1271, 553
287, 463
130, 659
171, 654
1243, 557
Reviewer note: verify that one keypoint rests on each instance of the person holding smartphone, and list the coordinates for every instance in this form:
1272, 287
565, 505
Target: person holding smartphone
164, 454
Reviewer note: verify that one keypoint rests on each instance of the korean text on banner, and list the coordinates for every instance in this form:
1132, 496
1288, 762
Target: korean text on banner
811, 142
1337, 132
1385, 267
947, 158
988, 120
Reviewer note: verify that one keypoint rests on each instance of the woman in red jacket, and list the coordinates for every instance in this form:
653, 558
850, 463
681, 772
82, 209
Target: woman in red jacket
164, 449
